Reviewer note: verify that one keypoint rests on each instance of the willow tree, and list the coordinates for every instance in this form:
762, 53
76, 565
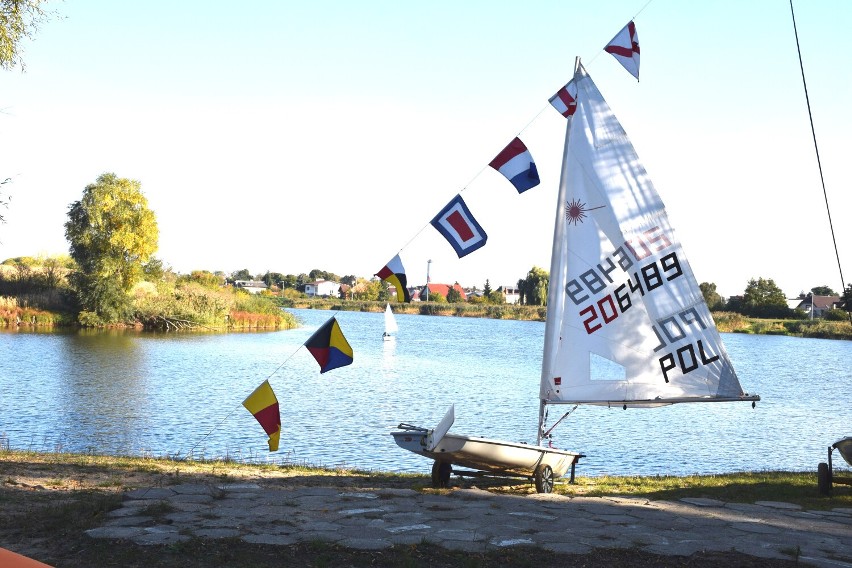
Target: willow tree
112, 235
19, 19
533, 288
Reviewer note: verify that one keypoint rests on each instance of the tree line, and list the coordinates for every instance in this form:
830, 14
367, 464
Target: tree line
112, 276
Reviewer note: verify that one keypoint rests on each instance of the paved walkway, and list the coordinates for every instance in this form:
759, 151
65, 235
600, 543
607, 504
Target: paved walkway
476, 520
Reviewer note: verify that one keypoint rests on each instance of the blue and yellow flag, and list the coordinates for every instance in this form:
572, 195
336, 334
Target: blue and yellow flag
329, 347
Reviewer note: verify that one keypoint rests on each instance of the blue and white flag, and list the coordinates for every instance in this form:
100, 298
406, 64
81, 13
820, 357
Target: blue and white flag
459, 227
516, 163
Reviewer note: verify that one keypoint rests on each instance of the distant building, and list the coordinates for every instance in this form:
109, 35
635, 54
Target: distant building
251, 286
473, 292
511, 293
322, 288
345, 292
442, 289
816, 306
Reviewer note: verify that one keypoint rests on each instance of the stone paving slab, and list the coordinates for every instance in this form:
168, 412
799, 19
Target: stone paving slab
477, 520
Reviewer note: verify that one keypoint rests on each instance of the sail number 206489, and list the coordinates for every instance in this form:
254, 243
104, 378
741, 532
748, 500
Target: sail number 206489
646, 278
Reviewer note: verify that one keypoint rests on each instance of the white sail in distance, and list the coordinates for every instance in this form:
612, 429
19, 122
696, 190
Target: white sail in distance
391, 326
626, 323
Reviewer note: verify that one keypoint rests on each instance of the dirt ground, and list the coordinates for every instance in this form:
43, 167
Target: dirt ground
47, 502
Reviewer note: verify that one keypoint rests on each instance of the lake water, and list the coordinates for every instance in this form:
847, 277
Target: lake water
180, 394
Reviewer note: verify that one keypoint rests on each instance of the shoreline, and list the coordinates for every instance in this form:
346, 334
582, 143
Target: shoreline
726, 322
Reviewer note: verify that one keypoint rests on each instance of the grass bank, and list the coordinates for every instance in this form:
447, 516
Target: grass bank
818, 328
464, 310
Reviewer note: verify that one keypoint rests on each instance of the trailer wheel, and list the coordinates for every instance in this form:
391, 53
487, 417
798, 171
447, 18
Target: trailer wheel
543, 479
824, 479
441, 472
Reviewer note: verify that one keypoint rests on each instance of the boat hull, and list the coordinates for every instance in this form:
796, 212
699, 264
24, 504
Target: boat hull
487, 455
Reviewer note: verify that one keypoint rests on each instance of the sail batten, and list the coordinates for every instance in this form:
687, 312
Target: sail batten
621, 288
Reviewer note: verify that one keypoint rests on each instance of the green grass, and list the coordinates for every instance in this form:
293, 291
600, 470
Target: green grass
799, 488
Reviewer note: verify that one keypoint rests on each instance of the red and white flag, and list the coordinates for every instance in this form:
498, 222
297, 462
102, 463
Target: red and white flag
625, 48
565, 99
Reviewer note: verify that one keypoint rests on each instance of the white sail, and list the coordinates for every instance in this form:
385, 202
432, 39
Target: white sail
390, 322
626, 322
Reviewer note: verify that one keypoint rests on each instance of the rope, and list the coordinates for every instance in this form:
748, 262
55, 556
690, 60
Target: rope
816, 149
531, 121
216, 427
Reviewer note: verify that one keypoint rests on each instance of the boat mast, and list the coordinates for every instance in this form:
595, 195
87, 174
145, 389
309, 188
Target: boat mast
555, 295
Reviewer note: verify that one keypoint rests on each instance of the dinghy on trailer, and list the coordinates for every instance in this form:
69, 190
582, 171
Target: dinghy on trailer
484, 457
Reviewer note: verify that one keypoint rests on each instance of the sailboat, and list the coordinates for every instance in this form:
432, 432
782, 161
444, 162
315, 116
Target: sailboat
627, 325
391, 328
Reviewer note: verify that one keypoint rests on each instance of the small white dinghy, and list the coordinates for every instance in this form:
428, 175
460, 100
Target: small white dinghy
484, 456
391, 328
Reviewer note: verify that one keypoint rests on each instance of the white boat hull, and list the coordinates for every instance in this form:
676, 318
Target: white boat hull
491, 456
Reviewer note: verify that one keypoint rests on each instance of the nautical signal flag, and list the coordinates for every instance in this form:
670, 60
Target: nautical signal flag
459, 227
264, 406
565, 99
516, 163
625, 48
329, 347
393, 273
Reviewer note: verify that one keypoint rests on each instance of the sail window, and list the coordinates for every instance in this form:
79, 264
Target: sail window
603, 369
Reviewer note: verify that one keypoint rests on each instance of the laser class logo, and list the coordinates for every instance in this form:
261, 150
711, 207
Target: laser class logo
575, 211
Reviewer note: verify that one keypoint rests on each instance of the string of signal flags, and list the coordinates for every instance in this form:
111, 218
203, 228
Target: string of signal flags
458, 226
456, 223
329, 348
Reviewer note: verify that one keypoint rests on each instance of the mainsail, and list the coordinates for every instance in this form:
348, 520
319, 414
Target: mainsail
626, 322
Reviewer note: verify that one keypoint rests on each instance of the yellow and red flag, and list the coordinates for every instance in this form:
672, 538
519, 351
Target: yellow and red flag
264, 406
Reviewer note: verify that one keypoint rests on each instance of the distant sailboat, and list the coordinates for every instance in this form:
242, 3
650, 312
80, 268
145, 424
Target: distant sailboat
391, 328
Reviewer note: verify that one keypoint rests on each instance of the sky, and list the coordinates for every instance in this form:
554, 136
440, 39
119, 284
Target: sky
288, 136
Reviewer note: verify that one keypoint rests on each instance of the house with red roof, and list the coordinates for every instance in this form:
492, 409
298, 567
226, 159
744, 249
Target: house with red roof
442, 289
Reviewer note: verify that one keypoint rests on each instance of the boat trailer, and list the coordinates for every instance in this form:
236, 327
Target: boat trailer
542, 477
825, 471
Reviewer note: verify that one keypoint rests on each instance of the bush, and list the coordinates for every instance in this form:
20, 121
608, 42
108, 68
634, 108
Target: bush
730, 321
88, 319
836, 315
822, 329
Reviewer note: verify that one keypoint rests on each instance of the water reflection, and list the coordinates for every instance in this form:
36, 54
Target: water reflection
102, 382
